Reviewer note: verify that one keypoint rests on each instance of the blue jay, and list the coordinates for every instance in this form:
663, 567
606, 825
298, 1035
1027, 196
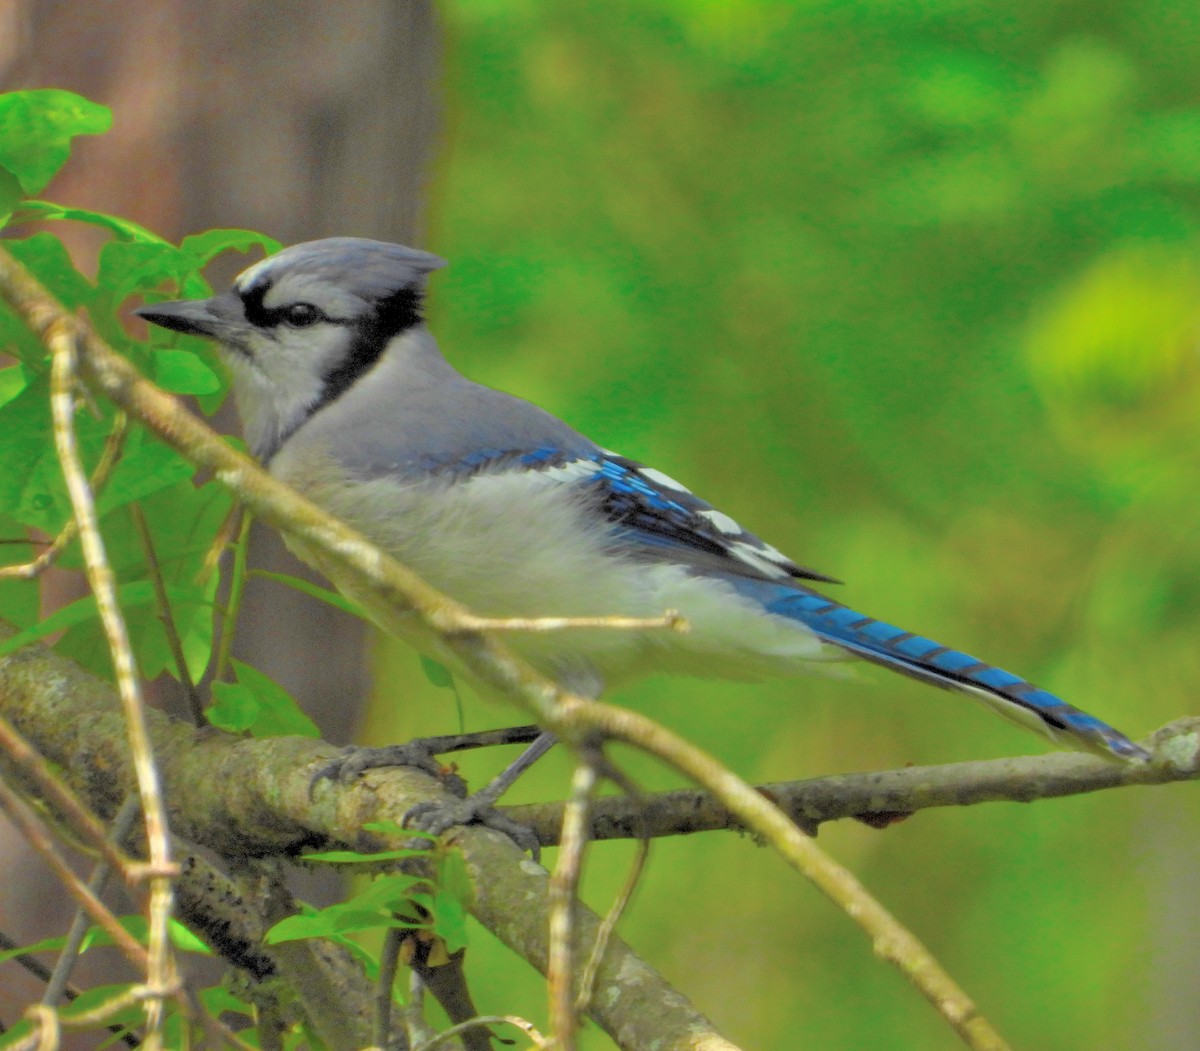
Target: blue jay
344, 395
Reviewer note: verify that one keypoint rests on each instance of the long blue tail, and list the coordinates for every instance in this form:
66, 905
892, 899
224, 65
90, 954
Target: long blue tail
922, 658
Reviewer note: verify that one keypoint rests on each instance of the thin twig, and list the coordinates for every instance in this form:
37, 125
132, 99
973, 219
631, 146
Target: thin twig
527, 1028
418, 1031
34, 832
233, 605
389, 959
564, 889
608, 926
60, 338
671, 620
217, 1032
43, 973
83, 823
103, 1011
889, 938
167, 616
47, 1036
122, 824
882, 793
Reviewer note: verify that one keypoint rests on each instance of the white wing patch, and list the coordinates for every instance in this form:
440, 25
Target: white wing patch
723, 522
766, 560
667, 482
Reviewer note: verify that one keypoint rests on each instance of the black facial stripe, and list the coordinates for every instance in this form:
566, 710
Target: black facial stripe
271, 317
397, 313
252, 303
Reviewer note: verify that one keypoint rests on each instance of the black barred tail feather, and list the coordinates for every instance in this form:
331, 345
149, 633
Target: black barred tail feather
1009, 695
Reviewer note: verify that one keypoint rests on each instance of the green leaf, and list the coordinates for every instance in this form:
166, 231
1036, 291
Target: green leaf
354, 857
36, 129
45, 256
20, 602
295, 928
89, 999
450, 900
13, 380
203, 247
10, 194
146, 469
31, 483
182, 372
45, 945
129, 596
17, 1035
50, 262
438, 674
138, 265
185, 941
183, 520
449, 921
393, 891
333, 598
137, 927
125, 228
218, 1000
97, 937
257, 705
329, 923
371, 909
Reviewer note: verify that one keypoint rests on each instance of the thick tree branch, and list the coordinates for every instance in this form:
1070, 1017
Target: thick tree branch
233, 914
250, 798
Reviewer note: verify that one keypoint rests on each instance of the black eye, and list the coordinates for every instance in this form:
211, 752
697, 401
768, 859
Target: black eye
300, 315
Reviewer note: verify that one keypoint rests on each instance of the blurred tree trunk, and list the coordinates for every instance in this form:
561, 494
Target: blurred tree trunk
306, 120
301, 119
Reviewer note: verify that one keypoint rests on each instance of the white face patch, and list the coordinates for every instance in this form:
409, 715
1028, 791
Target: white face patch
332, 301
282, 377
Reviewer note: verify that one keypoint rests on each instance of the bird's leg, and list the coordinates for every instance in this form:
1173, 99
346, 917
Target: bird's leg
419, 753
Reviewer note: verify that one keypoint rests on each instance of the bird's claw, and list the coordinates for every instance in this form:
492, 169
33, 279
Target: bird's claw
432, 816
355, 761
435, 816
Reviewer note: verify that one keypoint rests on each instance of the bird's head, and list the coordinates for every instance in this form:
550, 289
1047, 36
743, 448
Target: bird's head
301, 326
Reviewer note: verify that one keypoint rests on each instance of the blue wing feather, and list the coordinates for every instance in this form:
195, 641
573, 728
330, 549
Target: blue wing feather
655, 518
939, 665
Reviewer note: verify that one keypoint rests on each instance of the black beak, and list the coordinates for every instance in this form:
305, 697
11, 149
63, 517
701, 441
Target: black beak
211, 318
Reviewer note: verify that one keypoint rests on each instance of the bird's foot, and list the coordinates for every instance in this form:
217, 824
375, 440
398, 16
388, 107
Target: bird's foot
354, 761
436, 816
433, 816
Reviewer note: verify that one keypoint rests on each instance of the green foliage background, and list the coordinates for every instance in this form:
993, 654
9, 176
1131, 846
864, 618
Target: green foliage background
911, 290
